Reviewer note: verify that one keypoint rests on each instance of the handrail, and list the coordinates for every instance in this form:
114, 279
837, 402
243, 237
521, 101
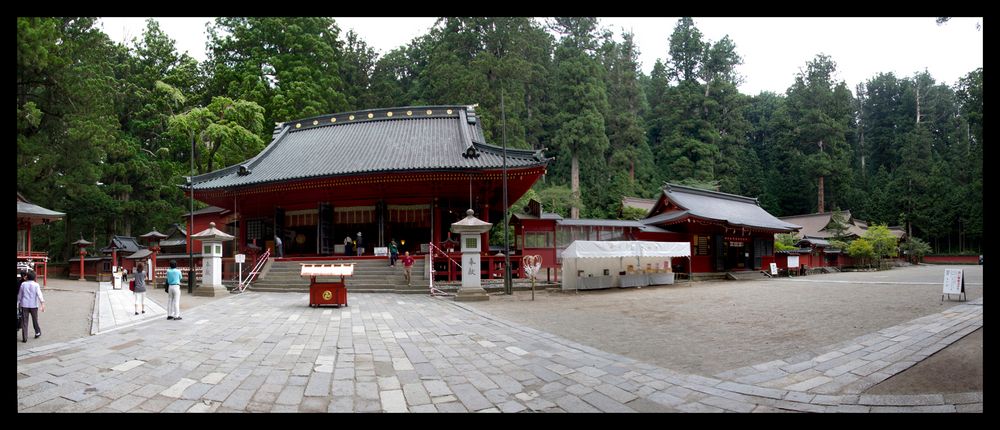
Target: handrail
256, 270
433, 248
430, 268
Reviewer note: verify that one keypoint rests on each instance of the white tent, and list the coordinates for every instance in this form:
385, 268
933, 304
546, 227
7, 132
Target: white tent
604, 260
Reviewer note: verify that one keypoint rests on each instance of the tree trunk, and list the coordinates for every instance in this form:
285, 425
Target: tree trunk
574, 212
821, 202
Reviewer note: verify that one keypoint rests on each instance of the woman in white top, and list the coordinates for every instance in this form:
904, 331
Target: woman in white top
30, 299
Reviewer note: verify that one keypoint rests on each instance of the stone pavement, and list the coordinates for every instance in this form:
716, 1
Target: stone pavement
260, 352
115, 309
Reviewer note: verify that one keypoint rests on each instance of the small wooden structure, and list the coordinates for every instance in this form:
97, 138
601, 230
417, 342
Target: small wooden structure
327, 293
28, 215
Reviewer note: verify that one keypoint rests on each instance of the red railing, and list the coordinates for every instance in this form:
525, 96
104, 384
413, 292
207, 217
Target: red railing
493, 263
33, 255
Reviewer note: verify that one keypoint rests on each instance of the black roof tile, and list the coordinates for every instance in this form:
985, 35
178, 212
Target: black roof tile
373, 141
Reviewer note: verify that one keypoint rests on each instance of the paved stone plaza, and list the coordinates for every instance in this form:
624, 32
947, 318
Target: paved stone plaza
260, 352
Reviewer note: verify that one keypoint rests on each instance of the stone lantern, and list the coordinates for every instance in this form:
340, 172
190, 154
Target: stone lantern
471, 229
211, 261
83, 244
153, 239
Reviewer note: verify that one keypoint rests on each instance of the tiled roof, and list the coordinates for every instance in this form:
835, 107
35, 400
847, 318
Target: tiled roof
29, 210
639, 203
123, 244
734, 210
379, 140
601, 222
813, 225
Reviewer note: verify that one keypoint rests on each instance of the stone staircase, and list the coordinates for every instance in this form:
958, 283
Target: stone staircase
745, 275
370, 275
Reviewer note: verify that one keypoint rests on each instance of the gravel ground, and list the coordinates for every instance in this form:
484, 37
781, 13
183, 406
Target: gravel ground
67, 316
709, 327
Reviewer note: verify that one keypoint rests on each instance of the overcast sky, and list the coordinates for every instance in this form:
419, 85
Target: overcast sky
773, 49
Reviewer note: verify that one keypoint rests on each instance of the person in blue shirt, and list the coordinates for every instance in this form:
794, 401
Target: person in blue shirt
174, 290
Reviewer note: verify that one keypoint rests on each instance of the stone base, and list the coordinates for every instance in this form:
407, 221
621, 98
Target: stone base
210, 290
474, 294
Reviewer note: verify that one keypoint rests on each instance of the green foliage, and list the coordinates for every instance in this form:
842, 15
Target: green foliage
883, 243
915, 249
632, 213
558, 199
785, 241
862, 250
226, 132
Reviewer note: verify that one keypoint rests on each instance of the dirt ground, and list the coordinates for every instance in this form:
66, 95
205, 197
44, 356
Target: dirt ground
709, 327
955, 369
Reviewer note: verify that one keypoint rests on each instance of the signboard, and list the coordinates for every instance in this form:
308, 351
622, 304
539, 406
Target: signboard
241, 258
381, 251
793, 261
954, 282
774, 268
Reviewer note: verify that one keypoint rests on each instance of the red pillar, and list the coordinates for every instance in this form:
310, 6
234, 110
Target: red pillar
82, 253
114, 258
29, 239
152, 270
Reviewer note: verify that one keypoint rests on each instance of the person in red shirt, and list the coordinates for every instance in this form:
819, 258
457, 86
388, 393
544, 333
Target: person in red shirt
407, 267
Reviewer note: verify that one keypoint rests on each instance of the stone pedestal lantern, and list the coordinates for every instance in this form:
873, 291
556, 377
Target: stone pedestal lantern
211, 261
83, 244
471, 229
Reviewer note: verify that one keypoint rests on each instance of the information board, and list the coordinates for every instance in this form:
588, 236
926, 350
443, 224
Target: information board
954, 281
774, 268
793, 261
241, 258
381, 251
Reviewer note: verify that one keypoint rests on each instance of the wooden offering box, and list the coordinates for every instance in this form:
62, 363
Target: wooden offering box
327, 293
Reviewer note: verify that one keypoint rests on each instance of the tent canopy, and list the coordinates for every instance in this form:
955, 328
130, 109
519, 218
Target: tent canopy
616, 249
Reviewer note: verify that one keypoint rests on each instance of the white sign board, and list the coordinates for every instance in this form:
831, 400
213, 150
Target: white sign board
954, 281
793, 261
381, 251
774, 268
241, 258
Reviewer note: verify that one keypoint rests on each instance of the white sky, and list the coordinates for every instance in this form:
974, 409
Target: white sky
773, 49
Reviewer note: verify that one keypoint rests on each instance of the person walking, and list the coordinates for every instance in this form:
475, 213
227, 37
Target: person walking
30, 299
139, 289
393, 252
359, 245
407, 267
22, 277
278, 249
174, 290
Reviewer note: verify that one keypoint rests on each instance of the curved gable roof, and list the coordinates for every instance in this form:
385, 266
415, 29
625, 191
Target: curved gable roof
380, 140
711, 205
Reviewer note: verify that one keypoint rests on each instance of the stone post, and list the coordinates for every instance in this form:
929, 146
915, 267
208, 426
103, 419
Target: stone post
471, 230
